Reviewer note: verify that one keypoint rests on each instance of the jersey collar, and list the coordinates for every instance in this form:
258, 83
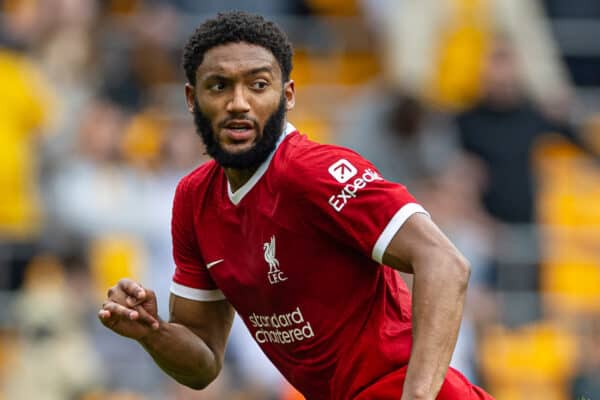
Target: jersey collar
239, 194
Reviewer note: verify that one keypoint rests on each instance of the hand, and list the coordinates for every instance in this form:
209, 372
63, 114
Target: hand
130, 310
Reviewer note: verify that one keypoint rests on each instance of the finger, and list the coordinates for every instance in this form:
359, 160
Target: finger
106, 318
118, 311
132, 288
117, 294
146, 317
133, 302
104, 315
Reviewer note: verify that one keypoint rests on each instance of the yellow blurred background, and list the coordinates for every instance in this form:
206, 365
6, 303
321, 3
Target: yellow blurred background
488, 110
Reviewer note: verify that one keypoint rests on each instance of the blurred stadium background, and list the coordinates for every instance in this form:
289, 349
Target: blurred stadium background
488, 110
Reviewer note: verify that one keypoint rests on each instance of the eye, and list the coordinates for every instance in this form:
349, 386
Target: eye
217, 87
259, 85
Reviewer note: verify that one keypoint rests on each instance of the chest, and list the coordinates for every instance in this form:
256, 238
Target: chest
258, 252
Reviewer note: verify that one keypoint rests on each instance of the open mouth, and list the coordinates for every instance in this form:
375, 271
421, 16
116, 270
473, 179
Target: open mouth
239, 130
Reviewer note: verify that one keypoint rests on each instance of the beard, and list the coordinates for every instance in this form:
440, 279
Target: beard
253, 157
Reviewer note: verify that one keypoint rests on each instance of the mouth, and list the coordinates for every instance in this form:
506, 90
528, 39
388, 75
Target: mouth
239, 130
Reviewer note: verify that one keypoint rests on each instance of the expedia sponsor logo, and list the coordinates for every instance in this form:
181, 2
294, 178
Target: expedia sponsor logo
350, 191
342, 170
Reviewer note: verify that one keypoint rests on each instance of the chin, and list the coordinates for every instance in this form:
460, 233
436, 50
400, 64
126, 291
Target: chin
238, 148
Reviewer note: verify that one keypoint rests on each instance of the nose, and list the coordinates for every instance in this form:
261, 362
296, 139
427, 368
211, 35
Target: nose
238, 104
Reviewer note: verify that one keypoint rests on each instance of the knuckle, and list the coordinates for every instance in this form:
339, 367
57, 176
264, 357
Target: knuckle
124, 283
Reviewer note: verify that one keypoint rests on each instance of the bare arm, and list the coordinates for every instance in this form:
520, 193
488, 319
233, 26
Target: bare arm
441, 275
190, 347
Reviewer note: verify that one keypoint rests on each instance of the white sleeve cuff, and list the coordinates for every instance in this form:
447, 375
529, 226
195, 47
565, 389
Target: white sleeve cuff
196, 294
392, 227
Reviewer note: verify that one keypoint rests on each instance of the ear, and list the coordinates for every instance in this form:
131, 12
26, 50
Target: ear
190, 96
289, 92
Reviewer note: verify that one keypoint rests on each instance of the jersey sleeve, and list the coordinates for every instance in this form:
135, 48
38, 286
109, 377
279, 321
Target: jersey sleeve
351, 200
191, 279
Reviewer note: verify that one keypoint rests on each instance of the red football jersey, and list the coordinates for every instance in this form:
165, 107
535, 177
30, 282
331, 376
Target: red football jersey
297, 251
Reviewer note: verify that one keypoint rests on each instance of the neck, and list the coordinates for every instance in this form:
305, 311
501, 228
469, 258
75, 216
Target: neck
238, 177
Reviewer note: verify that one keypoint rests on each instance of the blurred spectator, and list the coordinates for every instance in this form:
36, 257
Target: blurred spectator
95, 192
435, 49
55, 358
138, 54
66, 55
501, 131
25, 110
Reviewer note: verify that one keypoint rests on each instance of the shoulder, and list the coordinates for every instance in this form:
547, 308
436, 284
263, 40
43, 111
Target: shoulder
303, 156
194, 182
305, 166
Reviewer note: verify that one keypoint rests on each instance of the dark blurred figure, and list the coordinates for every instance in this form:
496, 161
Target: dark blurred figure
137, 55
501, 130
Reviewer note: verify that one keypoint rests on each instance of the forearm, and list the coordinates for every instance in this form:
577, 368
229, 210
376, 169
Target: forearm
182, 355
438, 299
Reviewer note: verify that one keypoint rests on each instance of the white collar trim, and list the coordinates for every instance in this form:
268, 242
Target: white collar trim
246, 187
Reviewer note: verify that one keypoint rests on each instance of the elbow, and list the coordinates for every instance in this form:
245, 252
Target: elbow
462, 270
197, 385
447, 264
200, 381
453, 268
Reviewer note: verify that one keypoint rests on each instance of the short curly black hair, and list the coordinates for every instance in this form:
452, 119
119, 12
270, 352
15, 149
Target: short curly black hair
235, 27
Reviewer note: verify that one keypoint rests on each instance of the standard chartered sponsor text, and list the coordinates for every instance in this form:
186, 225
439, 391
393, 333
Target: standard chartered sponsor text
281, 328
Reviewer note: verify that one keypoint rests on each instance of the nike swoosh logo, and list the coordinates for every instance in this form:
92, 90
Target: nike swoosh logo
211, 264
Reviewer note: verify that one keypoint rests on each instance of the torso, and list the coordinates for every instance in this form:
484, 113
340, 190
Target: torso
318, 307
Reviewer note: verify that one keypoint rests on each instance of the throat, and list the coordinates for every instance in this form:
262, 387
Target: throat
238, 177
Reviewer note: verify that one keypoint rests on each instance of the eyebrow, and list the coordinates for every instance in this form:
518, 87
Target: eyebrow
253, 71
258, 70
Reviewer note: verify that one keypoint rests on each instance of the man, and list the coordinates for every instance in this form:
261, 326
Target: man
296, 237
501, 131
